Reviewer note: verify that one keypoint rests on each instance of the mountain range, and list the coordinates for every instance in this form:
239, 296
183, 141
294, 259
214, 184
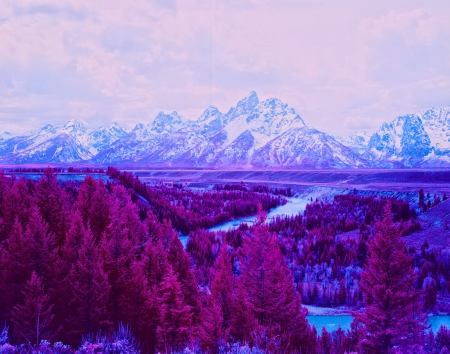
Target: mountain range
253, 134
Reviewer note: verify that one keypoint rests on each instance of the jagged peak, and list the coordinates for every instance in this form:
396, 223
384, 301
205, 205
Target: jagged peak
138, 126
248, 102
273, 102
5, 135
48, 128
209, 112
115, 125
75, 123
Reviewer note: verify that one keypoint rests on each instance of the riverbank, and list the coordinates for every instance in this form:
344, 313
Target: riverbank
329, 311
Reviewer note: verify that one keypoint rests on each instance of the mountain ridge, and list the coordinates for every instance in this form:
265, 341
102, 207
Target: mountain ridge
252, 134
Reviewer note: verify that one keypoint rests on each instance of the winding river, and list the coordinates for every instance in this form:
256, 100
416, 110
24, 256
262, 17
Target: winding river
292, 207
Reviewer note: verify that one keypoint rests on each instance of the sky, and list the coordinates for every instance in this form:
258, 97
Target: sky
344, 65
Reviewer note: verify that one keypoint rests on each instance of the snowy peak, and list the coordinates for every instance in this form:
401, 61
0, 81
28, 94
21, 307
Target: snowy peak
249, 102
404, 142
138, 126
420, 139
166, 123
357, 141
436, 122
308, 148
103, 137
244, 106
210, 121
5, 136
74, 128
209, 114
47, 129
254, 133
115, 128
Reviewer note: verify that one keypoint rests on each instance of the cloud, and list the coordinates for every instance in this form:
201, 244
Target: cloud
126, 61
49, 9
360, 123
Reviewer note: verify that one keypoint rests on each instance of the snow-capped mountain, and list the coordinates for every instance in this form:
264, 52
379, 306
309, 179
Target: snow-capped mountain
421, 139
103, 137
72, 142
144, 140
357, 141
5, 135
402, 142
237, 138
48, 144
436, 123
254, 133
309, 148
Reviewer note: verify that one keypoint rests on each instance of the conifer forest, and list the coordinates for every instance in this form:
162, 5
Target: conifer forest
98, 266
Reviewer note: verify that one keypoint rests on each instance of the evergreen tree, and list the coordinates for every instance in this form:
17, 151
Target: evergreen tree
242, 321
270, 290
75, 237
14, 271
391, 316
89, 289
76, 233
51, 201
40, 248
5, 185
211, 331
155, 260
139, 307
174, 330
33, 319
222, 284
84, 199
181, 266
117, 252
100, 211
325, 341
16, 204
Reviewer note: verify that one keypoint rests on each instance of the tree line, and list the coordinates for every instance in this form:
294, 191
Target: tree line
85, 264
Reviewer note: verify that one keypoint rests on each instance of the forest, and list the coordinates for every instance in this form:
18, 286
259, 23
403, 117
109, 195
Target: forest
97, 266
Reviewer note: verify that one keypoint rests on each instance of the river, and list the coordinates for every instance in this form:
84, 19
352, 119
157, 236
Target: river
331, 323
292, 207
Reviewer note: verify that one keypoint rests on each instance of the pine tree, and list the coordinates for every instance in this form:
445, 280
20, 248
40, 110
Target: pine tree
270, 290
391, 316
90, 290
51, 201
139, 305
325, 341
100, 211
76, 233
174, 330
117, 252
181, 266
75, 237
14, 271
33, 319
222, 284
5, 185
16, 204
84, 199
242, 321
155, 260
40, 248
211, 331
